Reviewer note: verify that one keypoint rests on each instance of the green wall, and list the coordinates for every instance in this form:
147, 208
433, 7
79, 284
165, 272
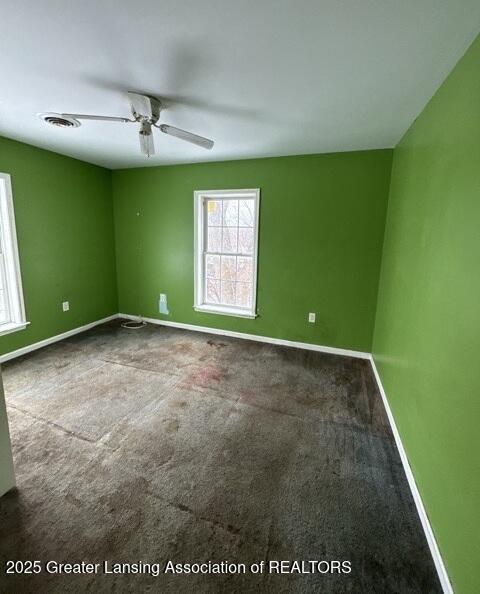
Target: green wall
320, 240
64, 219
427, 334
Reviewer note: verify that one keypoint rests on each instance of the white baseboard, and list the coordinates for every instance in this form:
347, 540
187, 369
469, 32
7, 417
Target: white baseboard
267, 339
42, 343
427, 528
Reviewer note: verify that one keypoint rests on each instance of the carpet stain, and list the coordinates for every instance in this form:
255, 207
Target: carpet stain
188, 448
216, 345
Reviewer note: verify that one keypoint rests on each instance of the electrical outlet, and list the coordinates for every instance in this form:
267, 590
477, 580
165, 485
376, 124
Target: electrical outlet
65, 306
311, 318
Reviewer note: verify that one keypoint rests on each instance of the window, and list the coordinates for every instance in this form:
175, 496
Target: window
226, 238
12, 312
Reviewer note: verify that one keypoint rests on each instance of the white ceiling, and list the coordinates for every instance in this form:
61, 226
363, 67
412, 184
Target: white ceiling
260, 77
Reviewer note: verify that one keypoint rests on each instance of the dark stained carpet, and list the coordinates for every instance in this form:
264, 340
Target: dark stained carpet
161, 444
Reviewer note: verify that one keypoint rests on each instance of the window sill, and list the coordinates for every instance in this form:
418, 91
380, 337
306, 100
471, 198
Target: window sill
12, 327
225, 311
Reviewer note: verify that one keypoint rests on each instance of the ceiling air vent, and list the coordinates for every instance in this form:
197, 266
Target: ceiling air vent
57, 119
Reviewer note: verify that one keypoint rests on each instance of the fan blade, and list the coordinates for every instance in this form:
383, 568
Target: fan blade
146, 140
81, 116
188, 136
144, 106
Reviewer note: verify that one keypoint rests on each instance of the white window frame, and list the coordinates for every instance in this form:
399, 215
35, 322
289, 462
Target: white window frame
9, 261
200, 198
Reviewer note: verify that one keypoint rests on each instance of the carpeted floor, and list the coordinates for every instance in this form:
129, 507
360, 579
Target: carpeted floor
161, 444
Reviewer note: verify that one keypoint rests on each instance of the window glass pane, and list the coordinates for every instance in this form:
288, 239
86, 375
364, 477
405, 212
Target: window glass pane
214, 241
212, 292
229, 232
228, 293
212, 266
230, 213
11, 297
214, 211
230, 239
244, 269
244, 294
245, 213
229, 266
3, 309
245, 241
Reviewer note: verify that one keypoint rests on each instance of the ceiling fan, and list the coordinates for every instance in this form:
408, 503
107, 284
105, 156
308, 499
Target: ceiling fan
145, 111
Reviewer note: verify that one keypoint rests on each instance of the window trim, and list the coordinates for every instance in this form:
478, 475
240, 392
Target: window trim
199, 197
14, 288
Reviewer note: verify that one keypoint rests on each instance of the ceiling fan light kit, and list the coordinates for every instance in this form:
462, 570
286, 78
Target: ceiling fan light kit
145, 111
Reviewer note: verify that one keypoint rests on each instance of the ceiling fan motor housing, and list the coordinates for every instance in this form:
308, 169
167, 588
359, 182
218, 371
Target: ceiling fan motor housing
145, 108
145, 128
